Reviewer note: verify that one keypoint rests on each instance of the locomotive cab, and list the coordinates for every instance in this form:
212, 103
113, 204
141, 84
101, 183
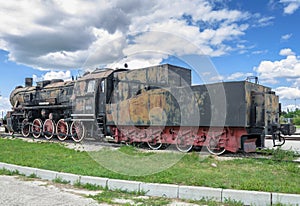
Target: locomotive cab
91, 94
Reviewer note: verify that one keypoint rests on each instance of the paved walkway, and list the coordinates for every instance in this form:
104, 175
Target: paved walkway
15, 191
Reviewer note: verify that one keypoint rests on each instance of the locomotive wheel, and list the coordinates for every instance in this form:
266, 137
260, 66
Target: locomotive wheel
25, 128
62, 129
182, 146
36, 128
77, 131
154, 145
214, 148
49, 128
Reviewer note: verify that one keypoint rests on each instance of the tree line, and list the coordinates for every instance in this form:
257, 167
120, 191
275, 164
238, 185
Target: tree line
295, 115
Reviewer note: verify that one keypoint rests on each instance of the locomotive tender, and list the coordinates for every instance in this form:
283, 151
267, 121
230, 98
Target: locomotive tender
155, 105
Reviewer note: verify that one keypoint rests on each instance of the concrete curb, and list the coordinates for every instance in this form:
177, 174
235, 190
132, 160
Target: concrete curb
197, 193
164, 190
248, 197
160, 190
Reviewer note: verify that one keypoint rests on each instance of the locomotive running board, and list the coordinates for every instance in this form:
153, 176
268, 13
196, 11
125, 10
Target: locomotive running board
82, 115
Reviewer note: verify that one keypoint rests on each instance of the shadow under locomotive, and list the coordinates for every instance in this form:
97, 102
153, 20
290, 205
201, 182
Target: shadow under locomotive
154, 105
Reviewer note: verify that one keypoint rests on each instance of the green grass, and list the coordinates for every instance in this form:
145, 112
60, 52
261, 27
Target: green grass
8, 172
60, 180
268, 175
89, 186
108, 196
280, 155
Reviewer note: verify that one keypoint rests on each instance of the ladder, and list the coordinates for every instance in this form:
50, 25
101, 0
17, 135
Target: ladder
101, 124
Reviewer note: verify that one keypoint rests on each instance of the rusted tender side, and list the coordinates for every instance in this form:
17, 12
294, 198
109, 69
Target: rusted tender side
222, 116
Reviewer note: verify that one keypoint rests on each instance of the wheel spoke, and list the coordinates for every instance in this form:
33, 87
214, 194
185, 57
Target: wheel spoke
48, 128
62, 129
36, 128
25, 128
77, 131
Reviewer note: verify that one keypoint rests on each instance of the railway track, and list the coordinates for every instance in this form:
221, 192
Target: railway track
287, 137
88, 142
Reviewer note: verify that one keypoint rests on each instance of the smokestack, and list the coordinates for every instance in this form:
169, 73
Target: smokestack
28, 82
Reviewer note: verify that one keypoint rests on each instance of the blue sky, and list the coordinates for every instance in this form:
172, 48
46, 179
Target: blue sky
58, 39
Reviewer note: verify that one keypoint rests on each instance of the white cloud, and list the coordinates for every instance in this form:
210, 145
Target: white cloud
260, 52
239, 76
261, 21
64, 75
265, 21
216, 78
286, 52
288, 92
64, 35
286, 36
270, 72
290, 6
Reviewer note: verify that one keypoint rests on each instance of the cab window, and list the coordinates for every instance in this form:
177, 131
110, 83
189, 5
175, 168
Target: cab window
102, 86
90, 86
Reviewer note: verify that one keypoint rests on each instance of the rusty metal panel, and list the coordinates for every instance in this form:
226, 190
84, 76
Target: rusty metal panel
181, 74
120, 76
152, 107
134, 89
138, 110
123, 90
158, 74
135, 85
79, 89
21, 95
174, 79
161, 75
84, 105
97, 74
201, 94
112, 114
255, 97
236, 105
52, 93
138, 75
123, 117
211, 105
157, 108
271, 110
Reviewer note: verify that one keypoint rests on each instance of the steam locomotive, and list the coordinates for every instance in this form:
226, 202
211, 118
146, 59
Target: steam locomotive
156, 105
